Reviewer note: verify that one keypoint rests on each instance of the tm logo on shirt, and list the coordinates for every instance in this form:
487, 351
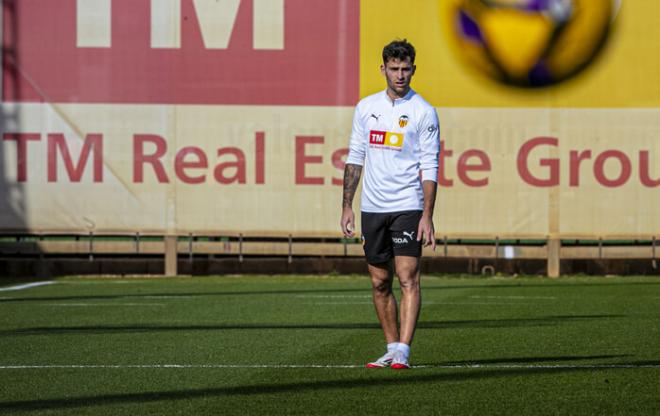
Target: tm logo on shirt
386, 139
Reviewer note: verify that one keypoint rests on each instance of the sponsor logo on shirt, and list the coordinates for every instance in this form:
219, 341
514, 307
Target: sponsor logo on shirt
386, 139
403, 121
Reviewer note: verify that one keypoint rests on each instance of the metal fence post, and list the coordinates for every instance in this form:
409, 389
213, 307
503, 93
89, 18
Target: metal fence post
170, 255
554, 249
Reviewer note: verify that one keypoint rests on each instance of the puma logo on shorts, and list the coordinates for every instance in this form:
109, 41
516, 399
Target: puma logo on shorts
385, 235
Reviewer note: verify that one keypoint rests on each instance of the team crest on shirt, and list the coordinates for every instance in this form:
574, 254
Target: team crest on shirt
403, 121
386, 139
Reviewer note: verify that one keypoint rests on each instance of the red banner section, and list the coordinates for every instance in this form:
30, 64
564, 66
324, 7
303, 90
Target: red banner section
315, 64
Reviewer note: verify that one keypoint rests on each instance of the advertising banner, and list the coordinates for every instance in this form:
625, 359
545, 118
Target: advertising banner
221, 117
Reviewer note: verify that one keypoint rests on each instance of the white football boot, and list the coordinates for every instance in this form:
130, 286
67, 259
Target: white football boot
399, 361
383, 361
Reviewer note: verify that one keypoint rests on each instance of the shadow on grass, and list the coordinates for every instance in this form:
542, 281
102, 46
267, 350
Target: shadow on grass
184, 295
252, 390
366, 290
524, 360
481, 323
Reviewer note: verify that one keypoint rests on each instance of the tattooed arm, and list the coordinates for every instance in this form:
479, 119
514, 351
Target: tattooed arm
351, 180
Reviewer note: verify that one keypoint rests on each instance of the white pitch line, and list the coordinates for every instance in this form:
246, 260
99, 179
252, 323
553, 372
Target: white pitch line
101, 282
329, 366
25, 286
180, 366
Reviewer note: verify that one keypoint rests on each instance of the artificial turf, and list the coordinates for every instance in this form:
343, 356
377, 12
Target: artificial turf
261, 344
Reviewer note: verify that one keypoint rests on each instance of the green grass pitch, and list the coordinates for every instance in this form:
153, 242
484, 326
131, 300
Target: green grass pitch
297, 345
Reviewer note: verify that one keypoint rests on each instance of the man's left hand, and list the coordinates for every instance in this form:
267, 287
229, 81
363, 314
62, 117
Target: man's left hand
425, 232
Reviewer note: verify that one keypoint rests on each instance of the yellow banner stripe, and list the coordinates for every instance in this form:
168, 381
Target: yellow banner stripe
625, 74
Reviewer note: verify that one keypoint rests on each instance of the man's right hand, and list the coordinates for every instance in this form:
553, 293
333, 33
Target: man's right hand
348, 222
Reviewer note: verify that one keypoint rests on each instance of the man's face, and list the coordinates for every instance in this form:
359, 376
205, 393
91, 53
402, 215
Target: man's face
398, 74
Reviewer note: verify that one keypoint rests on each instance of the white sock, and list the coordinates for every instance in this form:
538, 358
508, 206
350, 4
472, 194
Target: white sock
404, 348
392, 346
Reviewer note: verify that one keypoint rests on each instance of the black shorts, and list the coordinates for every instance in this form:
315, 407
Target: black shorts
390, 234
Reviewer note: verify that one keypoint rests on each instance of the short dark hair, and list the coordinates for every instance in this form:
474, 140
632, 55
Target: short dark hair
399, 49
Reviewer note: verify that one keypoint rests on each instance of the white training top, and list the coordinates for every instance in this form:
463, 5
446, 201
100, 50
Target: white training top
396, 140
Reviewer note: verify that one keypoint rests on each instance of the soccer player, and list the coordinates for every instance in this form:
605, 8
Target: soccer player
395, 138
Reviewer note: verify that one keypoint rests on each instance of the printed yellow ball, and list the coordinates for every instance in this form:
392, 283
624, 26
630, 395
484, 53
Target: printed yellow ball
531, 43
